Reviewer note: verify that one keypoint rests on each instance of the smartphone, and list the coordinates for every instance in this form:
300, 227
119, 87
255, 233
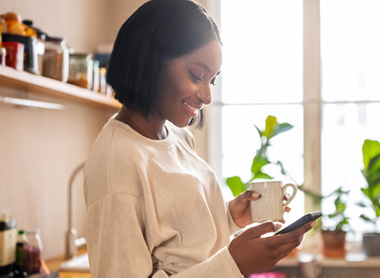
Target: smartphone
311, 216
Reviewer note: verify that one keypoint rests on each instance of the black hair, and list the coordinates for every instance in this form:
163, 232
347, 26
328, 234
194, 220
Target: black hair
157, 31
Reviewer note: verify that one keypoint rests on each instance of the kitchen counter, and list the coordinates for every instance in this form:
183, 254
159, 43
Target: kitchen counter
54, 265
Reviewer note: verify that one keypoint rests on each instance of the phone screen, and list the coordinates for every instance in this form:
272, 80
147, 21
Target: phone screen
311, 216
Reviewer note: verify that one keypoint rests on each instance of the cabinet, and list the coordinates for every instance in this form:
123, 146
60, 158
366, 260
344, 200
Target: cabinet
21, 80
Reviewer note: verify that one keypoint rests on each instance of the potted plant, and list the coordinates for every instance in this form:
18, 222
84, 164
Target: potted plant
335, 225
371, 173
261, 159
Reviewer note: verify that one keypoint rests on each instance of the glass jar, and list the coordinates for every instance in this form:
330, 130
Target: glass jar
102, 81
56, 59
8, 239
81, 70
32, 252
95, 79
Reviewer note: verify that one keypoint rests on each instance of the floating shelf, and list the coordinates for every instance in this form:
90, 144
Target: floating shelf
22, 80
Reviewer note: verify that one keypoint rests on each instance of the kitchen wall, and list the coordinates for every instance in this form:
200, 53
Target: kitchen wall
39, 148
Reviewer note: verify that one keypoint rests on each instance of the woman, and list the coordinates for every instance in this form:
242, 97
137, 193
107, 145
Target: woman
154, 207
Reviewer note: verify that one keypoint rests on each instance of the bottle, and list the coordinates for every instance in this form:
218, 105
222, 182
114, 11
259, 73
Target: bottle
32, 252
8, 238
21, 240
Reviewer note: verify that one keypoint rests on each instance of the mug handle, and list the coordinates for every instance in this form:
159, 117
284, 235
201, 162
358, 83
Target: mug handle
292, 196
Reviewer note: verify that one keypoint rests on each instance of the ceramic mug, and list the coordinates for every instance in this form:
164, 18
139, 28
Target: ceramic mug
271, 205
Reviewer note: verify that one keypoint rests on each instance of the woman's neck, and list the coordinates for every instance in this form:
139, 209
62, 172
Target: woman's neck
152, 128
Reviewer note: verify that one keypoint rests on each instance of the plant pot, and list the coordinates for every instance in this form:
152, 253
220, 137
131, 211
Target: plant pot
333, 244
371, 244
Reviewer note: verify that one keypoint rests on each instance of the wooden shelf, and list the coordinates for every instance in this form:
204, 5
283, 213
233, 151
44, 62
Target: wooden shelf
22, 80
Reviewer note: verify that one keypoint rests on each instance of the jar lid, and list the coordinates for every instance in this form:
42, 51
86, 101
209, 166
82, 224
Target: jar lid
8, 224
81, 55
55, 39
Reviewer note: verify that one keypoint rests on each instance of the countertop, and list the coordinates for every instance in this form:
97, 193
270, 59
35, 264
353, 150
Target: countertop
55, 263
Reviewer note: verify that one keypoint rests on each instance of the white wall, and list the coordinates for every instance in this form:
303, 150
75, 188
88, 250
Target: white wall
40, 148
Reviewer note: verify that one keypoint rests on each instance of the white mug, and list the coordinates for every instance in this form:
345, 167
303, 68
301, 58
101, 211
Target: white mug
271, 205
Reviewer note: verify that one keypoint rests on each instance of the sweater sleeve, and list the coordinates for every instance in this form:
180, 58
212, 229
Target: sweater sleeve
116, 245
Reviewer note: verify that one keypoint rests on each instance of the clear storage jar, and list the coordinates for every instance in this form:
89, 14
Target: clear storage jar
81, 70
32, 250
56, 59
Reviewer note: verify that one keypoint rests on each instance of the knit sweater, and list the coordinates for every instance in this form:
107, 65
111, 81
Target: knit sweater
154, 208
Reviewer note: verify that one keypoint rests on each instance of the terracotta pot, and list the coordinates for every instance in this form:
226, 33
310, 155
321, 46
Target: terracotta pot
371, 244
334, 244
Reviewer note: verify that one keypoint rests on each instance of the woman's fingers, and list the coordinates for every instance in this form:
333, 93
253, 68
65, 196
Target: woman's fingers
259, 230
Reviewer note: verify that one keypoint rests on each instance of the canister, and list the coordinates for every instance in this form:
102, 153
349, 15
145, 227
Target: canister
14, 55
8, 240
81, 70
56, 59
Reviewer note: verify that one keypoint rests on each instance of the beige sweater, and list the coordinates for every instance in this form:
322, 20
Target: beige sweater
154, 208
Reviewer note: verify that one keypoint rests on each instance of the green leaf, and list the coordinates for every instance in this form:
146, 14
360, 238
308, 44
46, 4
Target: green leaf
258, 162
361, 204
366, 192
270, 125
341, 208
263, 176
236, 185
259, 131
280, 128
365, 218
370, 149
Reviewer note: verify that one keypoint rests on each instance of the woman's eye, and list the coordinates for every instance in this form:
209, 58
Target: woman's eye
213, 81
195, 77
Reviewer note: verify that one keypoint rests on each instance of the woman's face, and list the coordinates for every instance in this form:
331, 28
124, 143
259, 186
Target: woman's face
185, 84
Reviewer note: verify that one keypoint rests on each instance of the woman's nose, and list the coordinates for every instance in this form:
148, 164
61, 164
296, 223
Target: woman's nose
205, 95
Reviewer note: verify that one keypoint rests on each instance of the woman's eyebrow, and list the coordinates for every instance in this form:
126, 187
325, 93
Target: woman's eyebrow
200, 64
204, 66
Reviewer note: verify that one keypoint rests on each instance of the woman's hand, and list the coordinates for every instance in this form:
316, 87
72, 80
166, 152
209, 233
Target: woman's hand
240, 208
254, 254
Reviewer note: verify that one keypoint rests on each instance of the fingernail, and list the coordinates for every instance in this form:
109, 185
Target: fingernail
255, 195
312, 224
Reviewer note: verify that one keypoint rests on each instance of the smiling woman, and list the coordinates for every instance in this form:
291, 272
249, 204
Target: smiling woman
154, 207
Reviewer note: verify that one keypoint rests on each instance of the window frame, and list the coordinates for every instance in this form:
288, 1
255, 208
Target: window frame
312, 105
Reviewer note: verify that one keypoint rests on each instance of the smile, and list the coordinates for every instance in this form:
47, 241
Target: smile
193, 110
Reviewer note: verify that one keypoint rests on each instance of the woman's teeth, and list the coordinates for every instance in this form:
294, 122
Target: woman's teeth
189, 106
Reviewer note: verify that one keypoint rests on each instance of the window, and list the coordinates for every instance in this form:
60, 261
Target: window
314, 64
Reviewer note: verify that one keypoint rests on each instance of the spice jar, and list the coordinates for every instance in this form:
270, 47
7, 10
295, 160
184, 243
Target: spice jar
81, 70
32, 252
56, 59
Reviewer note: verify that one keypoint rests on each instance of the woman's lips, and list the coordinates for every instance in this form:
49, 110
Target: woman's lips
193, 111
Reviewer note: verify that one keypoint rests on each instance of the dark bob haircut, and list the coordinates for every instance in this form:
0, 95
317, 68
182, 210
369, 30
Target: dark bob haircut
157, 31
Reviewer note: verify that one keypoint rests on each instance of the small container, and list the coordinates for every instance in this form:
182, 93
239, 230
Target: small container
55, 63
15, 55
30, 51
102, 81
8, 239
81, 70
21, 240
32, 252
95, 77
3, 54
